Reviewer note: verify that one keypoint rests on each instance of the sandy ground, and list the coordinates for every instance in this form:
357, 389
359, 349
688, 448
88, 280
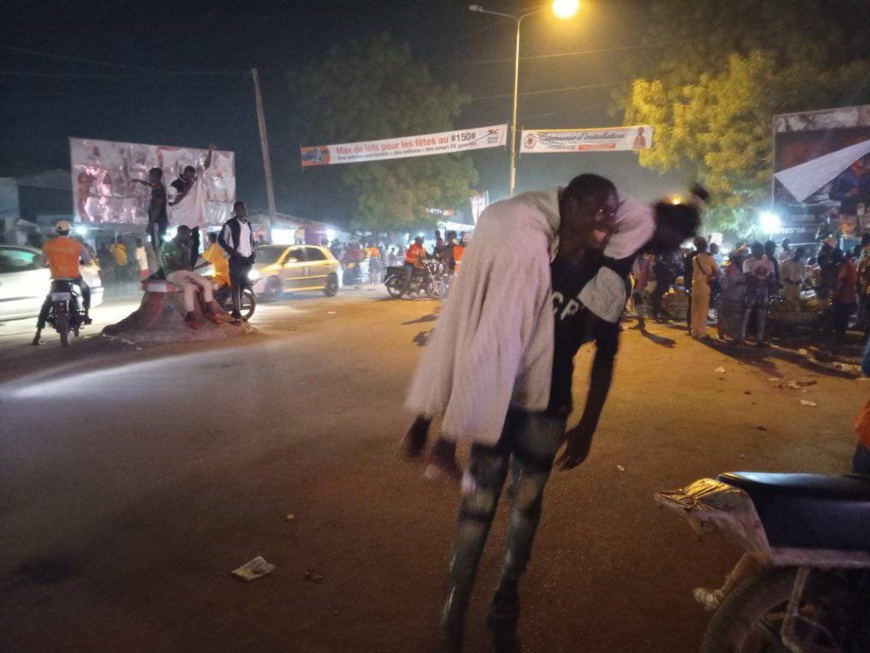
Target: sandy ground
133, 480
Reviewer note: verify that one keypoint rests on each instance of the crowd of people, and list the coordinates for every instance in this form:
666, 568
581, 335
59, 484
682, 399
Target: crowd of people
739, 290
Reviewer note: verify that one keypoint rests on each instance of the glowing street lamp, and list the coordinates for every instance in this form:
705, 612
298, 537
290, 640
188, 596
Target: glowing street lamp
562, 9
769, 222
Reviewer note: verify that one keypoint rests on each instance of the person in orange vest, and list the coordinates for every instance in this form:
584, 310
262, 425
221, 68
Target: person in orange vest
375, 263
413, 260
62, 257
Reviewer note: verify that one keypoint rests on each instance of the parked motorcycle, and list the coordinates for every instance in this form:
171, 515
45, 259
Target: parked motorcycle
428, 280
65, 315
803, 583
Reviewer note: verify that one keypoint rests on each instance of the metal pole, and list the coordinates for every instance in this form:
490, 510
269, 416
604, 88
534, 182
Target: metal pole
264, 143
514, 118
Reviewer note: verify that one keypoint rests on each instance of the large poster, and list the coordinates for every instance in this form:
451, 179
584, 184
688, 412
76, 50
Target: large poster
822, 171
104, 193
462, 140
609, 139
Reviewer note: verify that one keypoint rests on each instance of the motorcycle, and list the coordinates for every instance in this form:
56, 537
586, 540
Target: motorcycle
803, 582
224, 297
65, 315
428, 279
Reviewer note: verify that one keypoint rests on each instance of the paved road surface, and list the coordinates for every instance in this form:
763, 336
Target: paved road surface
133, 480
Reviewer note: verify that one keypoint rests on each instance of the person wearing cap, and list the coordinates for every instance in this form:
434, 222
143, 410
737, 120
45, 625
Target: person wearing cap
63, 255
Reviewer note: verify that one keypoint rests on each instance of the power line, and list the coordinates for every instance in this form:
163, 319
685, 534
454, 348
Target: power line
169, 73
95, 62
552, 90
550, 56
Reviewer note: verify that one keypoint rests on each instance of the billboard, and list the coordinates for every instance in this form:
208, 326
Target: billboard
452, 142
104, 193
608, 139
822, 171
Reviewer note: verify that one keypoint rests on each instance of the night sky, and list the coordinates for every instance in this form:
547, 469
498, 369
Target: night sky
177, 73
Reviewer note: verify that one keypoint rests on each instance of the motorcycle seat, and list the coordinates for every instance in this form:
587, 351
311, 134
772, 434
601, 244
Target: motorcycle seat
809, 511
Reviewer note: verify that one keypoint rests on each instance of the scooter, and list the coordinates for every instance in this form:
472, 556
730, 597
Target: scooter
65, 315
803, 583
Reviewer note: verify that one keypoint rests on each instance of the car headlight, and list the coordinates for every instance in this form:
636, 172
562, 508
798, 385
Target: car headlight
254, 275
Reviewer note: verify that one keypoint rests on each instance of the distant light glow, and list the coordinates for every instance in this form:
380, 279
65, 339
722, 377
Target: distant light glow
330, 235
283, 236
81, 230
769, 222
565, 8
676, 199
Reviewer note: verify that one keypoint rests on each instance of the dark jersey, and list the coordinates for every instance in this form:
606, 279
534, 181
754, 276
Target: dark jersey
575, 325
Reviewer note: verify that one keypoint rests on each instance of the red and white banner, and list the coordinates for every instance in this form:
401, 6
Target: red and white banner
609, 139
453, 142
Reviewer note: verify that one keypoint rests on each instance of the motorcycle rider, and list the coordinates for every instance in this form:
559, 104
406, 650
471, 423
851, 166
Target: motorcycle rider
413, 260
62, 256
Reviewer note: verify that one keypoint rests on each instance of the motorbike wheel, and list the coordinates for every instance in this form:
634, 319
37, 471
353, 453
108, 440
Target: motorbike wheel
394, 286
433, 289
272, 290
331, 287
751, 617
61, 323
249, 303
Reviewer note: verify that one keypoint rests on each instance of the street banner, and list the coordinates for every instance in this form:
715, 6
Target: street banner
608, 139
818, 163
103, 190
463, 140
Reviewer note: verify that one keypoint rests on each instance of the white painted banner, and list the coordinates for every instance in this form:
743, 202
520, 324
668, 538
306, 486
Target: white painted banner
463, 140
609, 139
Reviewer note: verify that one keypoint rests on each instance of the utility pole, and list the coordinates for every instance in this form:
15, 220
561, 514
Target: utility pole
264, 143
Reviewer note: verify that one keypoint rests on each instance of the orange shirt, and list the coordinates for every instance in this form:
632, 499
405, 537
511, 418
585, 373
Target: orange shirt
414, 254
63, 254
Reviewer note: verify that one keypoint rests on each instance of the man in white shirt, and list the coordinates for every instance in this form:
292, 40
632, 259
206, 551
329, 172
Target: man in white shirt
793, 272
237, 239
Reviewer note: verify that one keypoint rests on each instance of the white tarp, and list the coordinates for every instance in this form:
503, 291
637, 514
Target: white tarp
103, 192
805, 179
452, 142
608, 139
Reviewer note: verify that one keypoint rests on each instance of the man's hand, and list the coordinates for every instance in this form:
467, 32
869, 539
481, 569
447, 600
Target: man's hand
578, 443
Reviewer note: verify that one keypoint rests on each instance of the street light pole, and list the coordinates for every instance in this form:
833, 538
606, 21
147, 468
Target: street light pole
519, 21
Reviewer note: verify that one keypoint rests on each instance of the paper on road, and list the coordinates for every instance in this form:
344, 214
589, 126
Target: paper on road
254, 569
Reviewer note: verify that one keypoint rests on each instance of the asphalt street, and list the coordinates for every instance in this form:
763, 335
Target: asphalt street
134, 479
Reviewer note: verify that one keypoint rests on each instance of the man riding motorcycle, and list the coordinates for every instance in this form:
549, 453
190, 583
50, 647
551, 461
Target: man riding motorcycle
413, 261
62, 256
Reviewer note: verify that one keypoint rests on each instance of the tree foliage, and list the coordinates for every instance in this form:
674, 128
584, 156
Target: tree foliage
726, 70
371, 89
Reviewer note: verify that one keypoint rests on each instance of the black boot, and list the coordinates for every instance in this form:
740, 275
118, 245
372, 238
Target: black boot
453, 620
35, 340
504, 612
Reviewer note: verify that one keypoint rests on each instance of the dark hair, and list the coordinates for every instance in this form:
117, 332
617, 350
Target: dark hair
156, 171
800, 252
770, 245
865, 240
189, 169
700, 244
212, 237
682, 220
701, 192
756, 246
588, 187
183, 229
139, 242
238, 204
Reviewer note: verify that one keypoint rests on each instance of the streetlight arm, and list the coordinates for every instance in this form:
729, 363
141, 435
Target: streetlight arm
480, 10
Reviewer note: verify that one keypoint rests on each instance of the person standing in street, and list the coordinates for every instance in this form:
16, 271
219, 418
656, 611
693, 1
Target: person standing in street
792, 273
704, 270
237, 240
863, 274
759, 272
846, 296
141, 259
